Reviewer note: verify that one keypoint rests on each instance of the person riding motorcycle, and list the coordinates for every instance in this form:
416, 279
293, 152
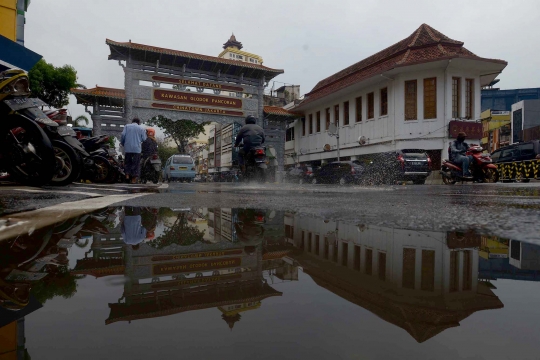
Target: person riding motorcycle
149, 146
251, 135
458, 149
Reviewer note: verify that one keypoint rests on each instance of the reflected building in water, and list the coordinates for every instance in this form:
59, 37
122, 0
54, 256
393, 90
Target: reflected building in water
225, 270
233, 259
422, 281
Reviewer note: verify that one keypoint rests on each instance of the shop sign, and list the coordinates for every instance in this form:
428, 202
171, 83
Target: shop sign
197, 83
196, 280
198, 99
472, 129
197, 255
197, 109
192, 266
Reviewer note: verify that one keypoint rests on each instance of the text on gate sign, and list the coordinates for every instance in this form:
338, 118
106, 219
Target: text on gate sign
197, 255
197, 83
189, 266
200, 99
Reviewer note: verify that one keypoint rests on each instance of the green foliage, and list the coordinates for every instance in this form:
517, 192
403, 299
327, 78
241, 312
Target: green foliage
180, 233
59, 282
52, 84
165, 152
180, 131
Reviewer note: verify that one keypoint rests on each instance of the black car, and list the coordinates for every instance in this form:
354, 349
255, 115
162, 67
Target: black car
339, 172
400, 165
301, 175
521, 155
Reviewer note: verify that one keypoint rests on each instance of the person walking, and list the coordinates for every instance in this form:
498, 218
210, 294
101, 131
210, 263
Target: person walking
133, 136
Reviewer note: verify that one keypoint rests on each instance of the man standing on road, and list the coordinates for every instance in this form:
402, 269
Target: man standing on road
132, 138
458, 148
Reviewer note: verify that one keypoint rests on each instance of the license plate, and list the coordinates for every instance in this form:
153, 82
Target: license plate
23, 103
182, 168
66, 131
416, 163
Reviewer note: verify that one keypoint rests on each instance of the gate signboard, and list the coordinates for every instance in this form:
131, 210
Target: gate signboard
185, 86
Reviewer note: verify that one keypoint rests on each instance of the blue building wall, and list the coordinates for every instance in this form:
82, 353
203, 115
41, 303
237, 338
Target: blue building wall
496, 99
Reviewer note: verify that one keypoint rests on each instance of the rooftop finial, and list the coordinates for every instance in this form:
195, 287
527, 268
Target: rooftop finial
232, 42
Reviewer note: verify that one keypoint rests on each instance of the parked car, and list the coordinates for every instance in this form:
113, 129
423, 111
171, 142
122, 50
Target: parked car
515, 162
301, 175
179, 167
339, 172
400, 165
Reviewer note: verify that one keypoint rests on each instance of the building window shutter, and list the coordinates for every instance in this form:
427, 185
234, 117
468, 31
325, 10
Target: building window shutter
411, 112
384, 101
359, 109
430, 98
371, 105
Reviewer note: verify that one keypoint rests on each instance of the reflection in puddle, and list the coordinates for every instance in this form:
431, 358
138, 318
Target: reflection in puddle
171, 261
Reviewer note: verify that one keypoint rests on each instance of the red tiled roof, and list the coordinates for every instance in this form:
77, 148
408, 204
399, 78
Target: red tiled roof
99, 91
158, 50
424, 45
276, 110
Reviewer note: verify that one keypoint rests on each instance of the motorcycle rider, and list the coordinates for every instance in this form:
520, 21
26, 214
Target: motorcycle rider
149, 146
458, 149
252, 135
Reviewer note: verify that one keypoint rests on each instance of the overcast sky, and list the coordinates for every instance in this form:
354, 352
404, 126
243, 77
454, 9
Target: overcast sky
309, 39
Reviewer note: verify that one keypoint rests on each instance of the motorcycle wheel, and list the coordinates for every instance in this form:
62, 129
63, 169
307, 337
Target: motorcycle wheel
27, 151
155, 178
68, 164
102, 170
448, 181
491, 175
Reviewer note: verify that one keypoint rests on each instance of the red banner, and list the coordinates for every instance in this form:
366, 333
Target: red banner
197, 109
472, 129
197, 255
196, 83
200, 99
192, 266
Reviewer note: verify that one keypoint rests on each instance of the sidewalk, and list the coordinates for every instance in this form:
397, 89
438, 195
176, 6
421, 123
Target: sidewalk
434, 179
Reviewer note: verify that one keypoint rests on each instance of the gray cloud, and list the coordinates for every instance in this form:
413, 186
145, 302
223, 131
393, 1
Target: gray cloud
310, 40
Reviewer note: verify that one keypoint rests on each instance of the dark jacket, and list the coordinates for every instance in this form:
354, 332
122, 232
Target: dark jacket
251, 134
458, 148
149, 147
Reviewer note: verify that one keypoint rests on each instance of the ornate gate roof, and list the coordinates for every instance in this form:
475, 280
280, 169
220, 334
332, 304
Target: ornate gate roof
177, 58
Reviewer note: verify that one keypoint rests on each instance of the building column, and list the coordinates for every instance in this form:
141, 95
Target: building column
96, 123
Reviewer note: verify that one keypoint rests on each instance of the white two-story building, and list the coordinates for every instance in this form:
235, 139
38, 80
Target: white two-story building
402, 97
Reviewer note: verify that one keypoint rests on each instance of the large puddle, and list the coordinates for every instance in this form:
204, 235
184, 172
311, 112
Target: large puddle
202, 283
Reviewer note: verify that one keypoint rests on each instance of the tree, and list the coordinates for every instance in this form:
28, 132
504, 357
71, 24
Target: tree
165, 152
59, 282
53, 84
180, 233
180, 131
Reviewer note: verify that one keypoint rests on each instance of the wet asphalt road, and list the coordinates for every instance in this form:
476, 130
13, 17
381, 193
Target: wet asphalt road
507, 210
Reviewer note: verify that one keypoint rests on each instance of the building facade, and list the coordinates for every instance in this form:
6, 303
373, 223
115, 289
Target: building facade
402, 97
525, 119
495, 129
12, 16
503, 100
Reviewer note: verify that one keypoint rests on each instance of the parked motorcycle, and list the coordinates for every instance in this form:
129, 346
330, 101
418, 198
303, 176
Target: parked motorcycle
255, 163
151, 169
71, 156
26, 152
482, 168
107, 167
